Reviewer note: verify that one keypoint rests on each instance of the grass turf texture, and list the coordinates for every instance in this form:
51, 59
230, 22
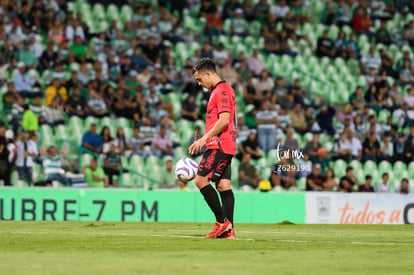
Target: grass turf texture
180, 248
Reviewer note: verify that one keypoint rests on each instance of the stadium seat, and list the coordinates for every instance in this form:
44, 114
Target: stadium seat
76, 131
384, 166
399, 167
401, 174
254, 27
112, 12
264, 173
339, 167
227, 26
150, 163
410, 170
89, 120
329, 145
333, 31
127, 181
72, 7
34, 74
61, 132
98, 11
260, 163
125, 161
123, 122
394, 183
369, 165
85, 160
301, 184
306, 138
46, 135
383, 116
235, 163
359, 175
126, 13
356, 164
137, 163
325, 62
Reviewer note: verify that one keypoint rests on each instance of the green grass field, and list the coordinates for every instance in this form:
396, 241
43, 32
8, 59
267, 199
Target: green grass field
180, 248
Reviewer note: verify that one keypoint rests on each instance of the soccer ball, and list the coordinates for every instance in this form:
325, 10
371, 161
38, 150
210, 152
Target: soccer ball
186, 169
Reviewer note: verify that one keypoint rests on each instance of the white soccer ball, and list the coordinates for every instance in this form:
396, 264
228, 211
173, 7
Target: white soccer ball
186, 169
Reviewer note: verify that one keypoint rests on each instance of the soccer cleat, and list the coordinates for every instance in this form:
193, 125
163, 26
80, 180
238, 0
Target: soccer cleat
219, 229
228, 234
212, 234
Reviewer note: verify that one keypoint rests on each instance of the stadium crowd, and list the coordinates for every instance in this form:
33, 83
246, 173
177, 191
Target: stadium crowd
56, 70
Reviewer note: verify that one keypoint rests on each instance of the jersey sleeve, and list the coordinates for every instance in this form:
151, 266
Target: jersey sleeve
223, 102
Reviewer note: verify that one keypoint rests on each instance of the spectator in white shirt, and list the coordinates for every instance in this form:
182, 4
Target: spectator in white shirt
35, 46
266, 121
74, 29
96, 105
281, 10
404, 114
52, 165
383, 186
254, 63
409, 98
342, 149
23, 83
26, 151
264, 82
239, 24
370, 61
355, 145
161, 144
220, 55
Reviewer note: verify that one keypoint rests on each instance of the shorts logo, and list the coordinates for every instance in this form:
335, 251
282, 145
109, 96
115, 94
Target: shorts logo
210, 160
221, 165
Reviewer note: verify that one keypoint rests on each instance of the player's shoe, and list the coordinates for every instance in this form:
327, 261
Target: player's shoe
219, 229
228, 234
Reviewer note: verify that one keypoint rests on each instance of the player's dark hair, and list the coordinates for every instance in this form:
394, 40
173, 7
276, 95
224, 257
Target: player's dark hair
204, 64
368, 177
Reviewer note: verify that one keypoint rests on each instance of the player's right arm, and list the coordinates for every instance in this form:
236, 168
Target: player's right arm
219, 126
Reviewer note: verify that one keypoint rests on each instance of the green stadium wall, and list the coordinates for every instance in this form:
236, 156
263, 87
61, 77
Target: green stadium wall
138, 205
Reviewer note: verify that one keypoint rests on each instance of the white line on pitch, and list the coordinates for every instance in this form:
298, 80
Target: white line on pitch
200, 237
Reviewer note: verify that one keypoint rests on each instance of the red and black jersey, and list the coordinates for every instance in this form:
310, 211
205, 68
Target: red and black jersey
222, 99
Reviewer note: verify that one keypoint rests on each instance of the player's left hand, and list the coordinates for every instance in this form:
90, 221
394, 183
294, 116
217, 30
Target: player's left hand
197, 146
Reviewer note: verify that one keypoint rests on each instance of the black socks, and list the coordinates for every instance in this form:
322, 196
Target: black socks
227, 199
212, 199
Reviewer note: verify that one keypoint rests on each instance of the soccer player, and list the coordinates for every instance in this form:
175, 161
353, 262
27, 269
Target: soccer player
220, 141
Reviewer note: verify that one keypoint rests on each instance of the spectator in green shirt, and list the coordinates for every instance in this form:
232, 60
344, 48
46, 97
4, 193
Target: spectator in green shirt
27, 56
29, 122
168, 178
167, 175
94, 175
78, 49
247, 173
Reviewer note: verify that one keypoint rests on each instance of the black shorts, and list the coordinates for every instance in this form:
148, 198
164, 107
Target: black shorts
215, 165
